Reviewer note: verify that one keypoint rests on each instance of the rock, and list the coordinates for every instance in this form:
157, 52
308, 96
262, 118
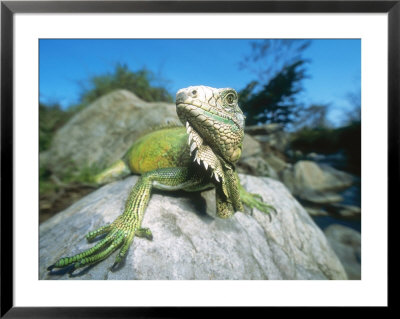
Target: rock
278, 140
315, 157
345, 211
315, 183
251, 147
316, 211
256, 165
319, 198
257, 161
346, 242
276, 163
334, 209
191, 243
102, 132
273, 134
336, 179
264, 129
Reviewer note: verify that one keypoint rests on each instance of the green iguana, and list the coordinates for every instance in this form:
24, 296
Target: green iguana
195, 158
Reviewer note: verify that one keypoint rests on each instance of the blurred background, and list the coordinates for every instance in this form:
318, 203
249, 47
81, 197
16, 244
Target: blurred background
301, 98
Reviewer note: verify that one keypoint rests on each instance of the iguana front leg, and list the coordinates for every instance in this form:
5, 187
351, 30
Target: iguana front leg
226, 208
237, 196
121, 232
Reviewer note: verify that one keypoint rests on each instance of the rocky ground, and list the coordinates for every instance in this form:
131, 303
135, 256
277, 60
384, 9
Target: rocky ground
190, 242
89, 139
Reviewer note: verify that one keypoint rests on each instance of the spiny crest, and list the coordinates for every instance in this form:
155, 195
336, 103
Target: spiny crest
204, 154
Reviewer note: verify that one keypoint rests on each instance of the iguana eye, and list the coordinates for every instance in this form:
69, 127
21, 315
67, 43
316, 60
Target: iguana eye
230, 98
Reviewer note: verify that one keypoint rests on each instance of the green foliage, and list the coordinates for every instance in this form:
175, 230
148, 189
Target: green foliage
122, 78
82, 175
350, 137
276, 101
321, 140
313, 116
75, 175
45, 184
329, 141
51, 118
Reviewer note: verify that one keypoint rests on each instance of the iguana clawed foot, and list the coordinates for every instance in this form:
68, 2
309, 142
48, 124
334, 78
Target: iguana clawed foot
255, 201
119, 234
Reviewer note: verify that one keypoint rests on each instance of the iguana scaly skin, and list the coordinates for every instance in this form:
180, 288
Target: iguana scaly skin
196, 157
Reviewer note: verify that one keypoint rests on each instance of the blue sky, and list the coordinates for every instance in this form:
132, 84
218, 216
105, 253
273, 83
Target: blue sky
65, 65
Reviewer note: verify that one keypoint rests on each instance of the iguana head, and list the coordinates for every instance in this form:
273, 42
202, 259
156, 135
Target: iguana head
212, 117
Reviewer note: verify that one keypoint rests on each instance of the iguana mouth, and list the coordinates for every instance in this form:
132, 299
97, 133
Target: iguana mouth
205, 115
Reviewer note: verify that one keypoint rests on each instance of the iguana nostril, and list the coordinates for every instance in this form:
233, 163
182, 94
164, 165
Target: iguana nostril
180, 96
183, 94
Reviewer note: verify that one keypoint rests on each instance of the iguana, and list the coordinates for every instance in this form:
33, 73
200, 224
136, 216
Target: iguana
196, 157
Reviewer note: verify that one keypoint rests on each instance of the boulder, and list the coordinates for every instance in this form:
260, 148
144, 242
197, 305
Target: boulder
315, 183
346, 242
264, 129
272, 133
313, 211
276, 163
256, 165
255, 160
251, 147
190, 242
103, 131
318, 197
278, 140
345, 211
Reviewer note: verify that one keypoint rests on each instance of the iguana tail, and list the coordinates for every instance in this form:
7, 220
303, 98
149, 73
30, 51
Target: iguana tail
116, 171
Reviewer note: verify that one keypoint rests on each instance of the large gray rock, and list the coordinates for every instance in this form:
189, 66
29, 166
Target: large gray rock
251, 147
272, 134
256, 165
315, 183
276, 163
346, 242
102, 132
255, 160
252, 160
191, 243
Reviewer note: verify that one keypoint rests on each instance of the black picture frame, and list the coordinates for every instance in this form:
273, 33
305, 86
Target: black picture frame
9, 8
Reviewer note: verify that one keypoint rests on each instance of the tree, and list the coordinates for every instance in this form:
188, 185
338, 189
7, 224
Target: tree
270, 56
353, 115
51, 118
139, 82
276, 101
280, 69
313, 116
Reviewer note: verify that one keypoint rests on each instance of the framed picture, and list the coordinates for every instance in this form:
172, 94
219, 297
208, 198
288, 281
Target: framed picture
41, 38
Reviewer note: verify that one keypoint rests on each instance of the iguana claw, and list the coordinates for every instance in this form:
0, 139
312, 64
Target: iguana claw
118, 235
255, 201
